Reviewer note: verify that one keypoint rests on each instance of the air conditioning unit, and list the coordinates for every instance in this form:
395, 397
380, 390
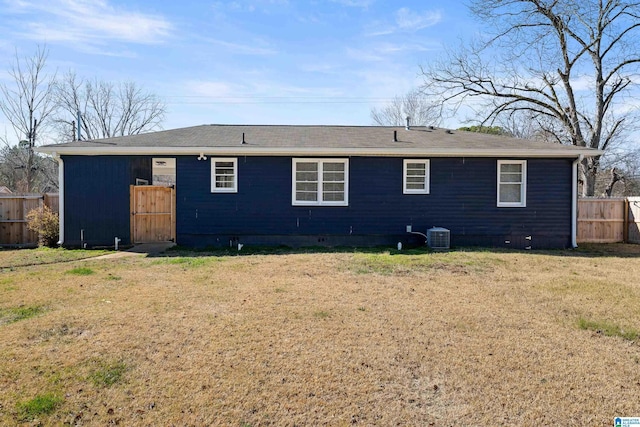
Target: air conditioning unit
438, 238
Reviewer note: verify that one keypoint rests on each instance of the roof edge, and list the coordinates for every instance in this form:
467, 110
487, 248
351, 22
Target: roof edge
247, 150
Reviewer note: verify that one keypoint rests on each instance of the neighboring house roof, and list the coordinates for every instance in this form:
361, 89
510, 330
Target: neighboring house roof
316, 140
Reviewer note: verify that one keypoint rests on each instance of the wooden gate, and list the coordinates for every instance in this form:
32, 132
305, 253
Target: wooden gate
153, 214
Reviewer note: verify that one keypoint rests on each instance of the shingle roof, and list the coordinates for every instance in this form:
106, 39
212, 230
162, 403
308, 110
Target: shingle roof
316, 140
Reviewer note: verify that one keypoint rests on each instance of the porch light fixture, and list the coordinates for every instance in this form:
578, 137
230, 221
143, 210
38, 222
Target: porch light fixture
202, 157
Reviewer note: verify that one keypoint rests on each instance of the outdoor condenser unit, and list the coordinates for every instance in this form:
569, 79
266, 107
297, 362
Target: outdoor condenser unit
438, 238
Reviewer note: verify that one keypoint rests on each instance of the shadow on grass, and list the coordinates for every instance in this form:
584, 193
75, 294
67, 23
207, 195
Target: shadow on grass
588, 250
14, 258
179, 251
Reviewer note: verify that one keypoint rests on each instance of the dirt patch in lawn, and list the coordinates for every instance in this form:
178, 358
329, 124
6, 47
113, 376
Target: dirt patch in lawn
382, 338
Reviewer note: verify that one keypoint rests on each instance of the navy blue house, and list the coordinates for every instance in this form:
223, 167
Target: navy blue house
322, 185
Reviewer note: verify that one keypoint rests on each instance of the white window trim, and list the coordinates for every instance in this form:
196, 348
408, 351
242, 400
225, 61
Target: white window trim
427, 179
215, 189
523, 188
319, 201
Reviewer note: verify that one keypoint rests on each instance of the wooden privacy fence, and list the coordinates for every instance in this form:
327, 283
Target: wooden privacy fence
13, 218
609, 220
53, 201
633, 233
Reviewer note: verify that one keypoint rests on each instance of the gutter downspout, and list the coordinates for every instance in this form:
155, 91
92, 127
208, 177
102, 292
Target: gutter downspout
60, 198
574, 202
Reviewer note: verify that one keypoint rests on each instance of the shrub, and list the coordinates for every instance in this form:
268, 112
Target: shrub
46, 223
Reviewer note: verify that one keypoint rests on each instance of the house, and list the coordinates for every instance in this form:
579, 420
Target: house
318, 185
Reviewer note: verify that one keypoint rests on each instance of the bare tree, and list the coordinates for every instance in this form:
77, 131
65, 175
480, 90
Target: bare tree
414, 105
565, 64
28, 106
12, 170
615, 176
107, 109
619, 173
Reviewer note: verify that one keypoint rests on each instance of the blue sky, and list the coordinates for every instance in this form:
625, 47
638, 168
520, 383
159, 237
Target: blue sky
242, 62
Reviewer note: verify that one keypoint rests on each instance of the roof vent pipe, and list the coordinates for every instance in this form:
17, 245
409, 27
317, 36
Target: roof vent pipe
395, 136
408, 123
243, 141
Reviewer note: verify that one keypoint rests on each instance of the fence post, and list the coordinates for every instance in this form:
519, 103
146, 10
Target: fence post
625, 230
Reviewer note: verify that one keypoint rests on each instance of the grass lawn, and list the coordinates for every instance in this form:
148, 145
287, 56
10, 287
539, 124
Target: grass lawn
345, 338
10, 259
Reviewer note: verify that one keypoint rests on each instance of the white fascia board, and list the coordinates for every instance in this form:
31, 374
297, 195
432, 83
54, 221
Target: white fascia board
316, 151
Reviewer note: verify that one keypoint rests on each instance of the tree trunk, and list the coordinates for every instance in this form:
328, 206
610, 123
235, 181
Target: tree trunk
589, 172
614, 177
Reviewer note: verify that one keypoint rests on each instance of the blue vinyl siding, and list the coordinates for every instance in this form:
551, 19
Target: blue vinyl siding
462, 199
96, 197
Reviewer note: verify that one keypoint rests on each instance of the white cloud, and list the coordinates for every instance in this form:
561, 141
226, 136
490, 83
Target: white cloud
583, 83
355, 3
250, 6
380, 32
88, 22
414, 21
249, 90
384, 51
243, 49
629, 107
364, 55
391, 48
405, 21
319, 67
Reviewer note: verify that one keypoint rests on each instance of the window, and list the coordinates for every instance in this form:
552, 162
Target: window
415, 177
512, 183
224, 175
164, 171
322, 182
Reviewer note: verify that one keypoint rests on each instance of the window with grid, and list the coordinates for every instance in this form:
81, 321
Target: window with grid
415, 176
224, 175
320, 182
512, 183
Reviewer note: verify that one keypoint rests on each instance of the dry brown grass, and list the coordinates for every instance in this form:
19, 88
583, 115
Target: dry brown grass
458, 338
